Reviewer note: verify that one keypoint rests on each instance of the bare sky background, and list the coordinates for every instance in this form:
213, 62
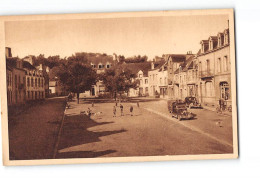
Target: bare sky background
124, 36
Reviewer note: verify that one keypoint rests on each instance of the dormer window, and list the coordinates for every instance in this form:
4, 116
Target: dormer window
100, 66
220, 39
210, 44
93, 65
226, 37
108, 65
204, 46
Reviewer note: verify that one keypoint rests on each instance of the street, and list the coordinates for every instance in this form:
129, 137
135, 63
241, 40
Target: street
151, 131
146, 133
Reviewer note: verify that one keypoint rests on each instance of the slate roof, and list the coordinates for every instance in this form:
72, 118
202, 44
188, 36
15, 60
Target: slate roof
136, 67
28, 66
177, 57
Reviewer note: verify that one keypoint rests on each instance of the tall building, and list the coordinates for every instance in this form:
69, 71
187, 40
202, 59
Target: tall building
15, 81
176, 78
214, 70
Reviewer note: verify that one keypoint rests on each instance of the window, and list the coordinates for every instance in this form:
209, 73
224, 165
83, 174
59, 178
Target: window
146, 81
225, 63
28, 82
208, 65
108, 66
39, 82
19, 80
15, 81
219, 64
224, 91
209, 89
140, 75
100, 66
32, 82
35, 82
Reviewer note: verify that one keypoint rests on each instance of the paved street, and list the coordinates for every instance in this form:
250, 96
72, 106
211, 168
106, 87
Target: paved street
151, 131
33, 133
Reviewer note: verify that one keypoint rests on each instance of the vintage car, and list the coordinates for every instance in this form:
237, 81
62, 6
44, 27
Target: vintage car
178, 110
191, 102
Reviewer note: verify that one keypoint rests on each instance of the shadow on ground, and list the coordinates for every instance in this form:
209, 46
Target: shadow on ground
75, 133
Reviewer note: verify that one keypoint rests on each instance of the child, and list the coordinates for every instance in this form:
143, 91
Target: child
89, 112
114, 111
122, 109
131, 110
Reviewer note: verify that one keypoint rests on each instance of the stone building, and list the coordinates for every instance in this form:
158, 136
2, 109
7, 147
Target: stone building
15, 81
99, 63
35, 83
176, 77
213, 60
158, 79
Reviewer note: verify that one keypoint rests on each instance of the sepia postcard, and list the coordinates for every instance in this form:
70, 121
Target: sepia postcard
118, 87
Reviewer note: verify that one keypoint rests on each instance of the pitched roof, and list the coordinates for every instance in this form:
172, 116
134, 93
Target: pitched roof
136, 67
28, 66
177, 57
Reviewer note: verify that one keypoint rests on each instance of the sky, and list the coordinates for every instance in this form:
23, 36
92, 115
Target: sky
129, 36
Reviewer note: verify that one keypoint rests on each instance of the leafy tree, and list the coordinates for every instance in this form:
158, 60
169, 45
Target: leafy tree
75, 76
119, 80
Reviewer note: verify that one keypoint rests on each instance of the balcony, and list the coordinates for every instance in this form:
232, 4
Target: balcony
206, 74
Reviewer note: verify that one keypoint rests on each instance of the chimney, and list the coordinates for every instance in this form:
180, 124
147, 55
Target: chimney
152, 65
40, 67
8, 52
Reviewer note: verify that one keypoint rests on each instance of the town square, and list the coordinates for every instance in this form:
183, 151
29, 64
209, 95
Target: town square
108, 102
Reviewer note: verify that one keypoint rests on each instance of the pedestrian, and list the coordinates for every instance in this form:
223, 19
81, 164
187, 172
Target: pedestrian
137, 103
114, 111
92, 104
131, 110
122, 109
89, 112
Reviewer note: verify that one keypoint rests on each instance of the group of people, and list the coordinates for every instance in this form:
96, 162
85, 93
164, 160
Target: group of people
122, 110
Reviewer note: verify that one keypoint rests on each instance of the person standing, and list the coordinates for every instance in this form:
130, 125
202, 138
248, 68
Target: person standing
131, 110
122, 109
114, 111
89, 112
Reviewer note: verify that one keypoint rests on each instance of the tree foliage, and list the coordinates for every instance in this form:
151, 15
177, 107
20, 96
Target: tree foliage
136, 59
75, 76
118, 80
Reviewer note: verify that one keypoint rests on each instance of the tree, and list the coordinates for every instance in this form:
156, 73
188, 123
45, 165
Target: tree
118, 80
76, 76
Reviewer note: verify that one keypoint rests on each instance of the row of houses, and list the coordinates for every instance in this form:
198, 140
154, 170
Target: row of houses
205, 75
24, 81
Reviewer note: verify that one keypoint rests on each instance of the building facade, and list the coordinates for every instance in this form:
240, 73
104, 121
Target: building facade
214, 70
176, 76
158, 79
15, 82
35, 83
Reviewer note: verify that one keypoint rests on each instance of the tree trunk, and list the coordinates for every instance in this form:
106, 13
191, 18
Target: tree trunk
115, 95
78, 97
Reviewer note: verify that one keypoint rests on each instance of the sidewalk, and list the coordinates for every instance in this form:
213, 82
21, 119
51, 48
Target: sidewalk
214, 110
206, 121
